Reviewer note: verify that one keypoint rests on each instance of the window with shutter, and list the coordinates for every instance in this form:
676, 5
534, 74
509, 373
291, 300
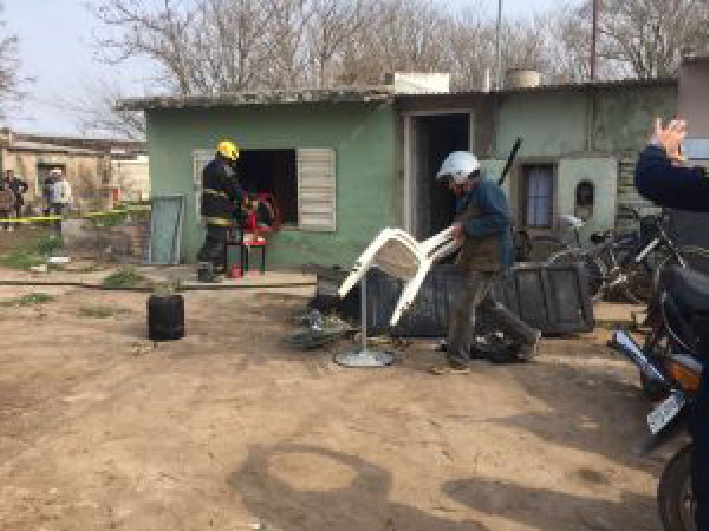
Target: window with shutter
317, 190
200, 159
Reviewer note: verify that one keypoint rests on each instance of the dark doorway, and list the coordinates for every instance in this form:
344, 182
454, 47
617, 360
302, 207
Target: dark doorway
436, 137
273, 171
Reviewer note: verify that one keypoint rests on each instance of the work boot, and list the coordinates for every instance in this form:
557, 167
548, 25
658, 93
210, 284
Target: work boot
206, 274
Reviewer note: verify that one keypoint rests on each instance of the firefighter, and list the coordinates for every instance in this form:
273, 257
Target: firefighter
221, 197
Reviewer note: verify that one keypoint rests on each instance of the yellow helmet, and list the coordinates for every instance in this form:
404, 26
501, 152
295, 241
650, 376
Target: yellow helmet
228, 149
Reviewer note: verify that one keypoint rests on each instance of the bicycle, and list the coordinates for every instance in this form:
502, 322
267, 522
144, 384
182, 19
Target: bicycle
620, 263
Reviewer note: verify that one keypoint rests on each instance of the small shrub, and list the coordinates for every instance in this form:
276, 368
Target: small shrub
126, 277
48, 245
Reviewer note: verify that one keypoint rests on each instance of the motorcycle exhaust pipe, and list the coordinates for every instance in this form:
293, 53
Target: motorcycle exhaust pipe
623, 343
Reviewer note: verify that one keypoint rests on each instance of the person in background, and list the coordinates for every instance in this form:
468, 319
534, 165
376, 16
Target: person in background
663, 177
60, 197
7, 201
221, 197
47, 194
484, 225
19, 188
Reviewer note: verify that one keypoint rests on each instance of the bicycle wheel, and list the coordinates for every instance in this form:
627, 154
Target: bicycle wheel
694, 257
639, 284
593, 267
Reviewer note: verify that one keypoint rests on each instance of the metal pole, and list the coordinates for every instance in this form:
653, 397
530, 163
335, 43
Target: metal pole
594, 37
363, 356
498, 47
363, 296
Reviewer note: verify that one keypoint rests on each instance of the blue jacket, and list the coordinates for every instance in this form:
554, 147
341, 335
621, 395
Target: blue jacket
494, 220
676, 187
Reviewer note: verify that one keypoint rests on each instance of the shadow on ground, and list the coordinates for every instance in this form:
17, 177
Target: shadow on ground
539, 508
362, 504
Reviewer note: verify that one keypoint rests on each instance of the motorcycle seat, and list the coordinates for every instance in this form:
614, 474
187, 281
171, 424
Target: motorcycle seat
689, 289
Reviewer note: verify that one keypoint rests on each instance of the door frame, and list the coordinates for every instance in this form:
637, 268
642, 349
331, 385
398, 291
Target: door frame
410, 159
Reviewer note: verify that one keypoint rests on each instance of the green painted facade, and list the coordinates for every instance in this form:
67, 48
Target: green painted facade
361, 134
584, 132
563, 123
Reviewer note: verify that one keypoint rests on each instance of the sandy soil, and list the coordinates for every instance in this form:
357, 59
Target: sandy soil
228, 429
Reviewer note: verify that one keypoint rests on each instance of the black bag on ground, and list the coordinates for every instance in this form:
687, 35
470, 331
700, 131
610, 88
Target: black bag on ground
166, 317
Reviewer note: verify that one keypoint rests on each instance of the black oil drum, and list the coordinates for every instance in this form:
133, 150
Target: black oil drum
166, 317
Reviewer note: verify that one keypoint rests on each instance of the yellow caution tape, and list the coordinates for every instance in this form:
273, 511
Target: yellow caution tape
86, 215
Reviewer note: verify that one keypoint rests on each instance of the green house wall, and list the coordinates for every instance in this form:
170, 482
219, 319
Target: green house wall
361, 134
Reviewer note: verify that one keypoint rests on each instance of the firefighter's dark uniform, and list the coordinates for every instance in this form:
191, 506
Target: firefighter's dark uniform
221, 207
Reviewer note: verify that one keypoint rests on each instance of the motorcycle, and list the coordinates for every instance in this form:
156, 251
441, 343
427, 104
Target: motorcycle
671, 365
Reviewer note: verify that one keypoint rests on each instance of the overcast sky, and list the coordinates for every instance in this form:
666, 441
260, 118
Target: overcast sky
55, 48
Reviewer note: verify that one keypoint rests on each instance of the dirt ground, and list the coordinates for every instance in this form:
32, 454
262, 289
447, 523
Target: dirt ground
228, 429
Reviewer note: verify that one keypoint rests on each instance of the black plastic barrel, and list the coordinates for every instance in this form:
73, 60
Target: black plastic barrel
166, 317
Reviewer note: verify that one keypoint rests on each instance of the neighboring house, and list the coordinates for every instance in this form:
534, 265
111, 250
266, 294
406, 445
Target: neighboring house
343, 164
96, 175
130, 176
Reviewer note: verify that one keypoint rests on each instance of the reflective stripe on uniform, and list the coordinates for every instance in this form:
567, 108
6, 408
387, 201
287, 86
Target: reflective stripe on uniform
215, 192
223, 222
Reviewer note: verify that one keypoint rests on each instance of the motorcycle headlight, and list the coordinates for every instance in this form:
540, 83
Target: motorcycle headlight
687, 377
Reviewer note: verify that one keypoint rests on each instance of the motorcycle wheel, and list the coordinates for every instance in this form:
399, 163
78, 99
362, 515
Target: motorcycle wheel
674, 494
652, 390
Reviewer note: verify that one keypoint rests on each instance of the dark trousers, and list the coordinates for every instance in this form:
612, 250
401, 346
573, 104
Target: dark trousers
699, 428
475, 296
4, 214
214, 245
58, 209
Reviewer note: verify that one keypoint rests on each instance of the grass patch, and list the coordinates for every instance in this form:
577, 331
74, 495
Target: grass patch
49, 244
27, 300
100, 312
21, 259
29, 255
126, 277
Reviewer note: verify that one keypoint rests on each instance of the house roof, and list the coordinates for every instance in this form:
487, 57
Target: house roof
364, 94
272, 97
23, 145
565, 87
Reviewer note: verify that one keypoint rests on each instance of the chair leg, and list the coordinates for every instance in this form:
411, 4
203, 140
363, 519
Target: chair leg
408, 295
225, 257
263, 260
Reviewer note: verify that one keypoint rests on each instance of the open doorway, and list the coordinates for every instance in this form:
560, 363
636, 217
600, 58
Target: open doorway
433, 138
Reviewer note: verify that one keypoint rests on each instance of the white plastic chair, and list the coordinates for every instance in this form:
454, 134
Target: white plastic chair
398, 254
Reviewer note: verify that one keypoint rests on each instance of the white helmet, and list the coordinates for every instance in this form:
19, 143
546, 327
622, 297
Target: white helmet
458, 165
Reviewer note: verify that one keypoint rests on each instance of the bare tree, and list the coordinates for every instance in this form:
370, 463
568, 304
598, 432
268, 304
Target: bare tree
11, 81
649, 36
93, 109
216, 46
